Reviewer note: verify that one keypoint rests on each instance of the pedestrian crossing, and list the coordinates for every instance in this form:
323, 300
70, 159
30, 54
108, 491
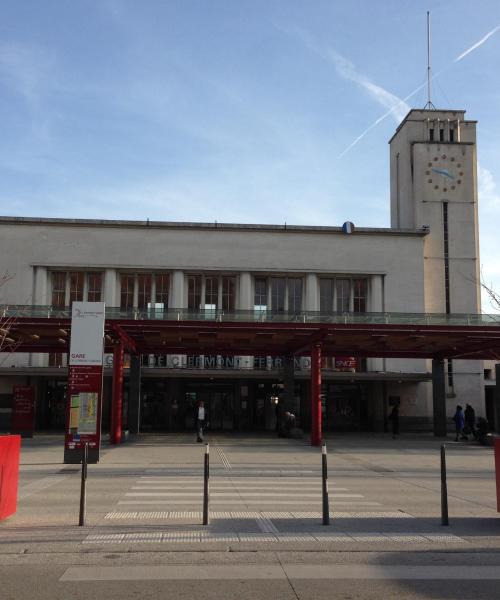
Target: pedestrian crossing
166, 491
160, 506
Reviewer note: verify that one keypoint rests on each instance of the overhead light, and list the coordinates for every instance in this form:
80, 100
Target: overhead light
8, 340
62, 332
35, 337
61, 341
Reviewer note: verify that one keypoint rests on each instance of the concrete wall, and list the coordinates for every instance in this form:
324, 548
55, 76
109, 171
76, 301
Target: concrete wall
398, 257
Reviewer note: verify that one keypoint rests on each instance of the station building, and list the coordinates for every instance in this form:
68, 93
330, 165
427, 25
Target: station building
426, 262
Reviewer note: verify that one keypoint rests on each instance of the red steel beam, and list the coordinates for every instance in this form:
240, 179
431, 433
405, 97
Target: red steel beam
316, 432
117, 400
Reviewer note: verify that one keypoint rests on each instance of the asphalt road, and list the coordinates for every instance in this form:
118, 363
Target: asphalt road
143, 536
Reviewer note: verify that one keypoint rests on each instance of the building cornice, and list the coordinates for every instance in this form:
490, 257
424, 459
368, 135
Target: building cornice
215, 226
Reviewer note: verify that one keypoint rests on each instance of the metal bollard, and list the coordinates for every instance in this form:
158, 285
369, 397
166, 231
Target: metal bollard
326, 506
83, 487
205, 485
444, 488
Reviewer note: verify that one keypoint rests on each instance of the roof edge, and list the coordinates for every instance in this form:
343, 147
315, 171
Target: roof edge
9, 220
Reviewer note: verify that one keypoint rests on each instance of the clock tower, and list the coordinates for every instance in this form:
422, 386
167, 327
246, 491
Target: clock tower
433, 176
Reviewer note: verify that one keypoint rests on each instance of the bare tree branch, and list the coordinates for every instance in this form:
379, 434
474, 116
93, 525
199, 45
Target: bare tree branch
9, 340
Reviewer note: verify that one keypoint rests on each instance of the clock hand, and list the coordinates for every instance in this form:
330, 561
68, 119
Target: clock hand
444, 172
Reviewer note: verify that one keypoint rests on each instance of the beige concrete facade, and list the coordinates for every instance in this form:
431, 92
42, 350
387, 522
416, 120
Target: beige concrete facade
433, 164
428, 261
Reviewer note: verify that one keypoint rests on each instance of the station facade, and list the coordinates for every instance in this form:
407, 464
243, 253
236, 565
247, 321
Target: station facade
426, 262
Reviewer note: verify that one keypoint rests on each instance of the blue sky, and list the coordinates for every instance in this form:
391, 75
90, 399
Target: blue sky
234, 110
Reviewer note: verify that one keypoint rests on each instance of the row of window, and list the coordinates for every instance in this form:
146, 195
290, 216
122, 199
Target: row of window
439, 131
209, 292
75, 286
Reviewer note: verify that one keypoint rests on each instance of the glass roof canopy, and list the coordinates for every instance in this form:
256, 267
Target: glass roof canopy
263, 316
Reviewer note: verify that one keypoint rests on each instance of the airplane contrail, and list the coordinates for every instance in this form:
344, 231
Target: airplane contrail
477, 44
385, 115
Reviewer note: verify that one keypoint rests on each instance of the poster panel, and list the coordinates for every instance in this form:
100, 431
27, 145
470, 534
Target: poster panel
346, 363
85, 372
23, 410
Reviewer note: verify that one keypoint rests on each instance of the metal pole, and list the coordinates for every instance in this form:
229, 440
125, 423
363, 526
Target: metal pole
83, 490
429, 104
444, 489
326, 506
205, 485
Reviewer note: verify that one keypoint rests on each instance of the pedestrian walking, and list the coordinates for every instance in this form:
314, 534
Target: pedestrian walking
394, 418
200, 421
459, 419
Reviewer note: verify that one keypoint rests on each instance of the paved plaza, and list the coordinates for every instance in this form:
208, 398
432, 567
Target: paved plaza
144, 536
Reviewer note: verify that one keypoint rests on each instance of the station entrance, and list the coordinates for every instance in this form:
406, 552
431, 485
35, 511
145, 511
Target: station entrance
231, 405
169, 405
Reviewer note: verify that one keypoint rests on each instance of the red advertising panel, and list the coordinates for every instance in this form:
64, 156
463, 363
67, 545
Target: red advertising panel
497, 470
346, 363
84, 400
9, 474
23, 411
84, 408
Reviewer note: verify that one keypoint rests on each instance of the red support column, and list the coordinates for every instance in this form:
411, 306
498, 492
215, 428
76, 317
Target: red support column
116, 405
316, 433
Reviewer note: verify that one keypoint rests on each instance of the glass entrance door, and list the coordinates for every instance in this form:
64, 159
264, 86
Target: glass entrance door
221, 410
219, 404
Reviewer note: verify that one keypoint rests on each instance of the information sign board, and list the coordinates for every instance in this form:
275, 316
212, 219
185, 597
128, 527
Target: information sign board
84, 400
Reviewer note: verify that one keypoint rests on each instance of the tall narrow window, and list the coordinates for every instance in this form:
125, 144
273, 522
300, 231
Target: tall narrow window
162, 289
94, 293
194, 292
211, 292
127, 292
359, 295
278, 294
144, 290
260, 294
326, 295
431, 134
452, 134
343, 294
55, 359
441, 134
228, 293
294, 294
58, 289
450, 373
76, 286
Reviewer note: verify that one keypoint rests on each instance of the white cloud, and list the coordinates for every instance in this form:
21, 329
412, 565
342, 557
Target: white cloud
24, 69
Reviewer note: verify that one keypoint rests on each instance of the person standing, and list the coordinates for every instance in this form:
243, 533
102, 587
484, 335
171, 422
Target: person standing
200, 421
470, 419
459, 419
394, 417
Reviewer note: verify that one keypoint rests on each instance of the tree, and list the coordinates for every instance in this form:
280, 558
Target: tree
8, 339
493, 296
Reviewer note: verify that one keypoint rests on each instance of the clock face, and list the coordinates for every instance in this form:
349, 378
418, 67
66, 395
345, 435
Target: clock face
444, 173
